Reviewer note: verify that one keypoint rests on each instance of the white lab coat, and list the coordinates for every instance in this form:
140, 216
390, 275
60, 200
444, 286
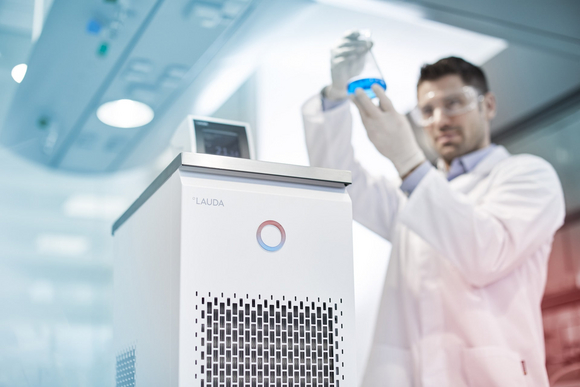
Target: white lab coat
461, 299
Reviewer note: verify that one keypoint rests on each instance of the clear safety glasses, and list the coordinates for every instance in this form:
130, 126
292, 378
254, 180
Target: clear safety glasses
451, 104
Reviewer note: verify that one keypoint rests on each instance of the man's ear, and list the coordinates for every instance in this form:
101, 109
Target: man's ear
490, 105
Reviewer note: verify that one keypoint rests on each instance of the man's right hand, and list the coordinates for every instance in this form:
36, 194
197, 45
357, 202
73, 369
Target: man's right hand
347, 58
389, 131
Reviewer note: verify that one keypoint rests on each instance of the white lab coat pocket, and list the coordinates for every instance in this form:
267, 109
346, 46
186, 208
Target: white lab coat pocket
388, 367
493, 367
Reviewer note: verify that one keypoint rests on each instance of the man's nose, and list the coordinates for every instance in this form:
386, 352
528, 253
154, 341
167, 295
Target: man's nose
440, 119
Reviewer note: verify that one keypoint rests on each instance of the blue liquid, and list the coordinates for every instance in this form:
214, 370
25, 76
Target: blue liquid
366, 84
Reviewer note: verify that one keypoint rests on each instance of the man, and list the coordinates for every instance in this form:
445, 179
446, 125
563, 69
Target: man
470, 240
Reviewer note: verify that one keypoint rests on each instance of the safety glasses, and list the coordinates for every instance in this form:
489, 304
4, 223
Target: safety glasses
453, 103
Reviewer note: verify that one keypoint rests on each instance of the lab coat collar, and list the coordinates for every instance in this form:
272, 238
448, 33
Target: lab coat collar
483, 166
499, 153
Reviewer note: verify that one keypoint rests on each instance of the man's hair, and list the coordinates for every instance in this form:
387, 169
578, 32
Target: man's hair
469, 73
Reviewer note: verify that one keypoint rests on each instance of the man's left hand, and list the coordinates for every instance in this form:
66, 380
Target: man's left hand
389, 131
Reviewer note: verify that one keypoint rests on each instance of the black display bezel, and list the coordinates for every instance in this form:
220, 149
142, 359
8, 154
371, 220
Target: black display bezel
240, 131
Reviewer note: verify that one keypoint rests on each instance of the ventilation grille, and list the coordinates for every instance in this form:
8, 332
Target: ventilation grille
262, 343
125, 368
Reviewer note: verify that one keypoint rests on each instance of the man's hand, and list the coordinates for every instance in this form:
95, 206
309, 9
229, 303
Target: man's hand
389, 131
347, 58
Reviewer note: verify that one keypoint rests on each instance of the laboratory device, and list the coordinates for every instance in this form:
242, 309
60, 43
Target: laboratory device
370, 73
213, 136
236, 272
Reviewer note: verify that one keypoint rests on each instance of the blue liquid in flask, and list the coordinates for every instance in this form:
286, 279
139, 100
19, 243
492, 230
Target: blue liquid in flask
366, 84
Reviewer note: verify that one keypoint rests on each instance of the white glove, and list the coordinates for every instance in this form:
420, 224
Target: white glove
389, 131
347, 59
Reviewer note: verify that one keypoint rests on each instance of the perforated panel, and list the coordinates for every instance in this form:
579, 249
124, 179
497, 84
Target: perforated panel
269, 342
125, 368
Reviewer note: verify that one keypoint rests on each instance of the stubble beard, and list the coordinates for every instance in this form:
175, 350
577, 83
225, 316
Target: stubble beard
463, 147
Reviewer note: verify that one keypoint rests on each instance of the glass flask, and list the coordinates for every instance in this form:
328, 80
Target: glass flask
370, 73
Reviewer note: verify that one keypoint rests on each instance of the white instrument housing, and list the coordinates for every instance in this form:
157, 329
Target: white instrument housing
203, 297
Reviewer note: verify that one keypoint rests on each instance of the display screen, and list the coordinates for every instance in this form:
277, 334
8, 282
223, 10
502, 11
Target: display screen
218, 138
219, 142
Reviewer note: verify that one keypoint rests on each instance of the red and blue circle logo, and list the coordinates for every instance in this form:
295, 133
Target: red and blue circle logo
282, 235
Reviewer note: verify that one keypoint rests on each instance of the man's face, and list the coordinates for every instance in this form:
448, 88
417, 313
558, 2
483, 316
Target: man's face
455, 135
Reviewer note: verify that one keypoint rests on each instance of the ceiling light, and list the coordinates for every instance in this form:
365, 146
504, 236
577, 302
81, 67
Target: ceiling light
62, 244
125, 113
18, 72
95, 207
379, 8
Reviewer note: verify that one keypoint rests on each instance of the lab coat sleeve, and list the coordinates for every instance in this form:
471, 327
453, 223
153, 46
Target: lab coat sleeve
375, 199
486, 240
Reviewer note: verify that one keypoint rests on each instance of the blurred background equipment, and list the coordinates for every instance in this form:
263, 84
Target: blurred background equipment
126, 61
250, 61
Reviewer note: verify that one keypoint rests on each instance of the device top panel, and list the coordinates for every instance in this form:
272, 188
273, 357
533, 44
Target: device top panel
264, 170
231, 166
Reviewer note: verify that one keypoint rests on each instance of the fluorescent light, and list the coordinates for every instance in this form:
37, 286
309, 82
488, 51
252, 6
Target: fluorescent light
125, 113
37, 19
62, 244
18, 72
404, 12
95, 207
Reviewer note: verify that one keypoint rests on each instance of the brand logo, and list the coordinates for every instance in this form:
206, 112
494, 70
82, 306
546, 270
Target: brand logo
282, 235
208, 202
